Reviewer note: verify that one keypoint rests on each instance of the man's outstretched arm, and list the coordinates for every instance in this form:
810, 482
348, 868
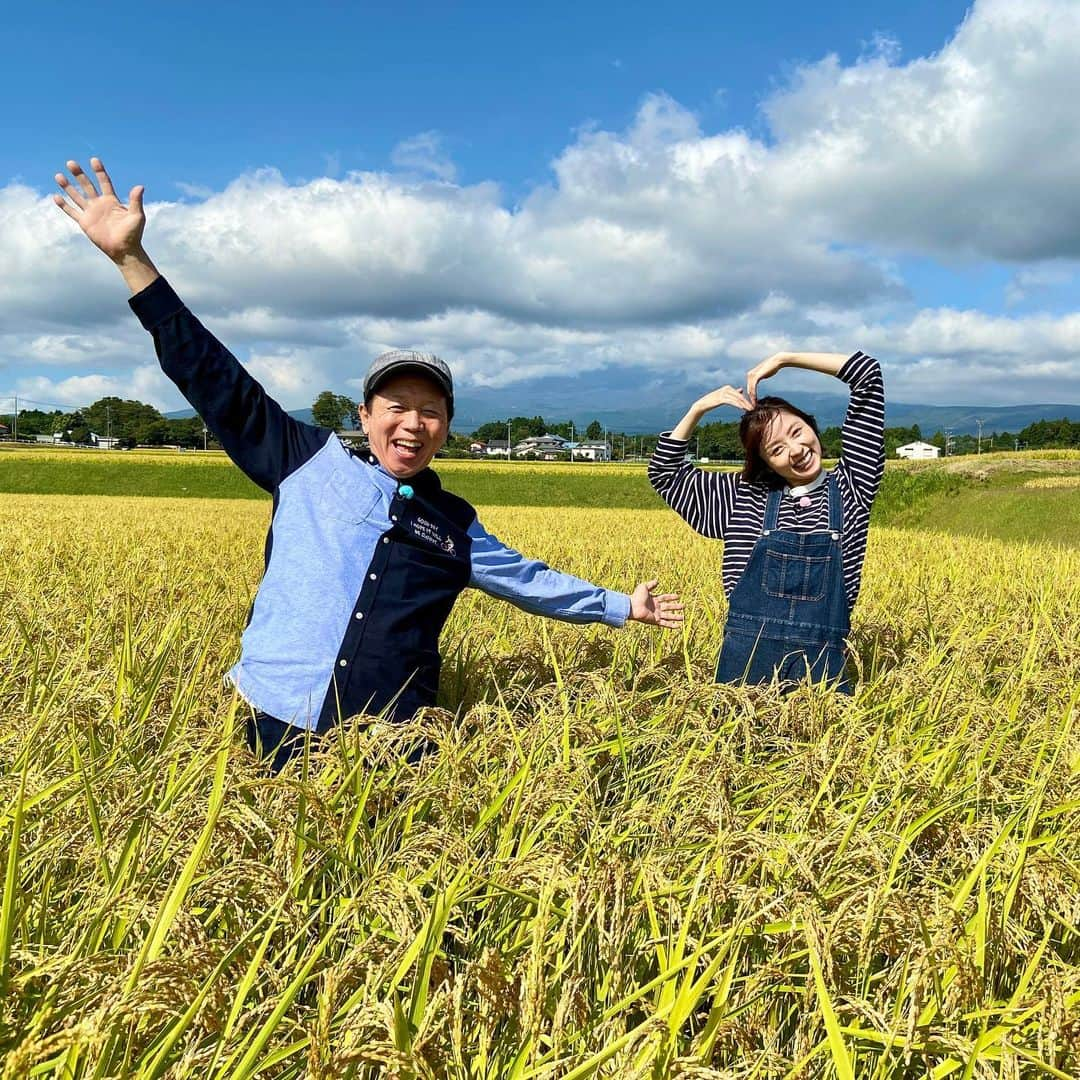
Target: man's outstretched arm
533, 586
263, 440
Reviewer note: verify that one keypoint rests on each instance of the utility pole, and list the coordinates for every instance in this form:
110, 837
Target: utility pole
948, 441
571, 441
509, 441
204, 437
108, 427
980, 423
15, 428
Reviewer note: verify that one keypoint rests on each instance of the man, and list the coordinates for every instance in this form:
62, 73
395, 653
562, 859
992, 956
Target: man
366, 553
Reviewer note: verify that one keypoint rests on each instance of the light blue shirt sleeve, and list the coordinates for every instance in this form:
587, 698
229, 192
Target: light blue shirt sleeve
533, 586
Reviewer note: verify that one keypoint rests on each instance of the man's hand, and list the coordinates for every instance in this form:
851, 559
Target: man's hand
113, 227
662, 609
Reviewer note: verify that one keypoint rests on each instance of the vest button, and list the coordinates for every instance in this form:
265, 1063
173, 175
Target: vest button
359, 614
373, 576
342, 663
386, 539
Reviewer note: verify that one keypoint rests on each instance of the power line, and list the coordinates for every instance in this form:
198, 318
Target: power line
47, 404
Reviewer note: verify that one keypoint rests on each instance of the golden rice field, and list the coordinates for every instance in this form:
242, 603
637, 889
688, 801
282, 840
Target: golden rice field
1053, 482
611, 867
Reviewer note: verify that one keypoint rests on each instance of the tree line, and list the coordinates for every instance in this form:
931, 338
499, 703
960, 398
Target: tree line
134, 423
131, 423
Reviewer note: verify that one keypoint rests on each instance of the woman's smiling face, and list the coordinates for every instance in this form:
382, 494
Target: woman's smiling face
406, 424
791, 448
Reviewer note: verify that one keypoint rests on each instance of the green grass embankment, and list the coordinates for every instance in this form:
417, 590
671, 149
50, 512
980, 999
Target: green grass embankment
1017, 500
213, 476
973, 496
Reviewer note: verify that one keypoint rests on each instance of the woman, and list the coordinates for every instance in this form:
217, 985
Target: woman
794, 535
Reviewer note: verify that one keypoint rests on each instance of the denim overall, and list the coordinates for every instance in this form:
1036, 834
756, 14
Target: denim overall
788, 615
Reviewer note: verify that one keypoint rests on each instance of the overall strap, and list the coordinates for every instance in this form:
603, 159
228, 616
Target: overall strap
836, 506
772, 511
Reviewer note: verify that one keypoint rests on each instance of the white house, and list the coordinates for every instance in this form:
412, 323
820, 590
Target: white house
918, 450
590, 451
497, 448
548, 447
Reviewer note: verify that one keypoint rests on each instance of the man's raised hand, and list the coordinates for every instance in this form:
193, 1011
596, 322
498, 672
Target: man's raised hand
115, 228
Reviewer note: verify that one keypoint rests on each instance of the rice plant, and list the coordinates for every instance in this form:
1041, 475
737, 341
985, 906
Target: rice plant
610, 867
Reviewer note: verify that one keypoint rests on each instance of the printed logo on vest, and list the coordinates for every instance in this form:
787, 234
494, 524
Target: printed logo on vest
429, 532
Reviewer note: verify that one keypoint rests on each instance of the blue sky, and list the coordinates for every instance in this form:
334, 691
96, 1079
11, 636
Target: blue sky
635, 192
218, 90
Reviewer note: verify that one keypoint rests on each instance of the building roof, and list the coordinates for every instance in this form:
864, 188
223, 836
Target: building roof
539, 440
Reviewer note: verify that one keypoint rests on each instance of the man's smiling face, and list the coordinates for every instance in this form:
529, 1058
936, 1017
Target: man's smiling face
406, 423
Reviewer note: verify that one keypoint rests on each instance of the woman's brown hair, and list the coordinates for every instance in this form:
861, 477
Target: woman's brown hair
752, 430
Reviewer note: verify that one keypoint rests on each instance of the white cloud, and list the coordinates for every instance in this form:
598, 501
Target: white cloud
194, 191
425, 153
1036, 280
973, 151
288, 376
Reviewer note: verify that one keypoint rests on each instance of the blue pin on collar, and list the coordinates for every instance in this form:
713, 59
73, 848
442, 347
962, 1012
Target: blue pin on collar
405, 491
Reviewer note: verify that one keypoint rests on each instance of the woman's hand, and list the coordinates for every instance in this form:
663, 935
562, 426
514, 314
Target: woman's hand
826, 363
726, 395
647, 606
765, 370
110, 225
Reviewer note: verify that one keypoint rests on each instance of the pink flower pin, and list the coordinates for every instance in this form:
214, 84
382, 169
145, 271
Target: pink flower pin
804, 501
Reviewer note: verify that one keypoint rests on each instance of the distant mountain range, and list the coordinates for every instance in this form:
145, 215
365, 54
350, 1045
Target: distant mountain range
622, 409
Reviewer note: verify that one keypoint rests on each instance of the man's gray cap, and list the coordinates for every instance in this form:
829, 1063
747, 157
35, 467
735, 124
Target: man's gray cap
401, 361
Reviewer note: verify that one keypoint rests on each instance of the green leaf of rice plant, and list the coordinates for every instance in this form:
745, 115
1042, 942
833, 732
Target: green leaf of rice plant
842, 1062
10, 900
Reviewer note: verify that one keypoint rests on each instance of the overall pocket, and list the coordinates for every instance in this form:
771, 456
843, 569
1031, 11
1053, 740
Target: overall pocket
796, 577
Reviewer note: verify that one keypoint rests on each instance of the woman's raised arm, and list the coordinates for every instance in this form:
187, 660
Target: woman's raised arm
726, 395
826, 363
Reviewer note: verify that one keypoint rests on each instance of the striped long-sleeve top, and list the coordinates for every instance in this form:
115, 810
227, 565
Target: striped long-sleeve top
724, 506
